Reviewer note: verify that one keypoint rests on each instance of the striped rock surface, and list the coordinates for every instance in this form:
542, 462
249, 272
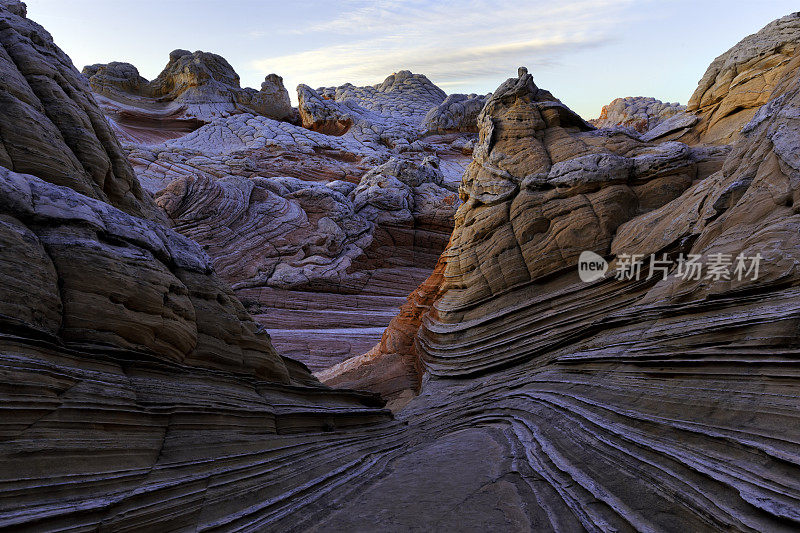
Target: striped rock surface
547, 403
321, 233
659, 404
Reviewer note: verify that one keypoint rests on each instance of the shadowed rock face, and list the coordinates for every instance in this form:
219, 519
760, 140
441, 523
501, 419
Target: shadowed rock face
50, 125
102, 278
458, 112
125, 362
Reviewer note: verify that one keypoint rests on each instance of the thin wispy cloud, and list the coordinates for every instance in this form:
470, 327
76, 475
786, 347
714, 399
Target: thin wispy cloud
587, 52
457, 44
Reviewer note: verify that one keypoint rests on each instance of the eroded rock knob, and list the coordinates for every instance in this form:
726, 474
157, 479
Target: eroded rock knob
521, 71
16, 7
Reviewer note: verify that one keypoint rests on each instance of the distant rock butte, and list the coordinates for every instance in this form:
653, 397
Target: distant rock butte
194, 88
637, 112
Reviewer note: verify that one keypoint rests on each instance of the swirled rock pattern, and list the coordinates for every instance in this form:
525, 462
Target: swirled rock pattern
392, 368
638, 112
322, 233
397, 113
115, 280
293, 249
652, 404
546, 403
543, 187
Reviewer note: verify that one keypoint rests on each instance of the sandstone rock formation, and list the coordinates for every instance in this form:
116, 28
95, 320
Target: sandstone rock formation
105, 278
545, 186
343, 254
638, 112
547, 403
672, 395
394, 113
125, 362
740, 81
392, 368
734, 87
321, 232
402, 98
193, 89
50, 125
458, 112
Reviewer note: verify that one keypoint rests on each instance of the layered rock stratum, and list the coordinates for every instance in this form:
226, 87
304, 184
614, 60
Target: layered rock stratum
652, 394
126, 361
138, 393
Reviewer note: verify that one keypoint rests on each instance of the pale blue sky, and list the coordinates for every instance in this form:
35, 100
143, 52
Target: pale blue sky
586, 52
